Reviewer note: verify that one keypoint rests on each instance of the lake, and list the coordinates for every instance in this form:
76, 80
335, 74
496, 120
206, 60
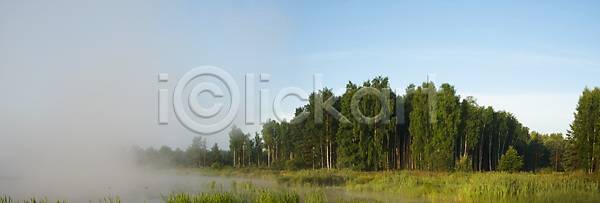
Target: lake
148, 187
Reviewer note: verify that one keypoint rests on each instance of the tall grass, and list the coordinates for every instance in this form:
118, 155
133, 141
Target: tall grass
464, 187
487, 187
308, 178
229, 172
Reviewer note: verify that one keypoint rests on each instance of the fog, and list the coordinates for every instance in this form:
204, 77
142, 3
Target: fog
78, 86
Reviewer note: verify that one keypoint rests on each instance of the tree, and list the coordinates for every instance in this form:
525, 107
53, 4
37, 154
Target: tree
470, 126
257, 148
511, 161
419, 130
585, 129
215, 154
555, 144
347, 137
445, 130
237, 138
194, 152
165, 154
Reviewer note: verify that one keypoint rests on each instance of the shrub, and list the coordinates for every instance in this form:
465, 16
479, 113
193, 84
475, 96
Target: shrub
292, 164
216, 166
464, 164
511, 161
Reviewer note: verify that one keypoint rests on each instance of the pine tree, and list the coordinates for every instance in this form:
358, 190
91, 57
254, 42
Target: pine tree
215, 155
511, 161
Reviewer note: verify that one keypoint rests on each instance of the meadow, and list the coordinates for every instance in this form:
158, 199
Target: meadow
438, 186
420, 186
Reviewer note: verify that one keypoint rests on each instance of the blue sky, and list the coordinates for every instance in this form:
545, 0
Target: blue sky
80, 72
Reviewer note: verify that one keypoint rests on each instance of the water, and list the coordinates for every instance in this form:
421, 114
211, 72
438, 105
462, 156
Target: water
147, 187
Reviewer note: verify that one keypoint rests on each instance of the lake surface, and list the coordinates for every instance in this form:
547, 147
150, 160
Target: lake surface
148, 187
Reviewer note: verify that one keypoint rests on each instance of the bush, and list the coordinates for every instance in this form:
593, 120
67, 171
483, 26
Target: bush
511, 161
464, 164
292, 164
546, 170
216, 166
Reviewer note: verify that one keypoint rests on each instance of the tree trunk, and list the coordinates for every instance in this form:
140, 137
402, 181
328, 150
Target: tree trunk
490, 151
504, 144
481, 148
536, 158
313, 159
466, 138
328, 142
374, 155
556, 162
321, 152
593, 149
327, 153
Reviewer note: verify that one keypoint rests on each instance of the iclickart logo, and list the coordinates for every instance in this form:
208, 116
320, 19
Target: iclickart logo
320, 106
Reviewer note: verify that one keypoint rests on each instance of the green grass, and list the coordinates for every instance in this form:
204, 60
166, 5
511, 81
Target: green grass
446, 186
311, 178
228, 172
482, 187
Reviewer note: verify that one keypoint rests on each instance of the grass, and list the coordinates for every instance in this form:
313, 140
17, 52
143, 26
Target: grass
312, 178
229, 172
445, 186
482, 187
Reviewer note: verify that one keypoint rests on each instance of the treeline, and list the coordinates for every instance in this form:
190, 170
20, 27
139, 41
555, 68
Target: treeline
427, 128
584, 135
372, 128
196, 155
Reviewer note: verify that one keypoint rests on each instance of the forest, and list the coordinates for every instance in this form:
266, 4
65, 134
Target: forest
370, 128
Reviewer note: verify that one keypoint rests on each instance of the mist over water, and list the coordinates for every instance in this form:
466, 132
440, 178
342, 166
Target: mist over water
78, 83
130, 187
78, 87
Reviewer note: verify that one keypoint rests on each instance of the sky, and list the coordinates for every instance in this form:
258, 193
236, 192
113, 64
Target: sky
82, 77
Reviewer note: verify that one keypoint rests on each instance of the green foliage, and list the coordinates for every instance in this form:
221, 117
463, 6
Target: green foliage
292, 164
371, 128
511, 161
464, 164
216, 166
585, 130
